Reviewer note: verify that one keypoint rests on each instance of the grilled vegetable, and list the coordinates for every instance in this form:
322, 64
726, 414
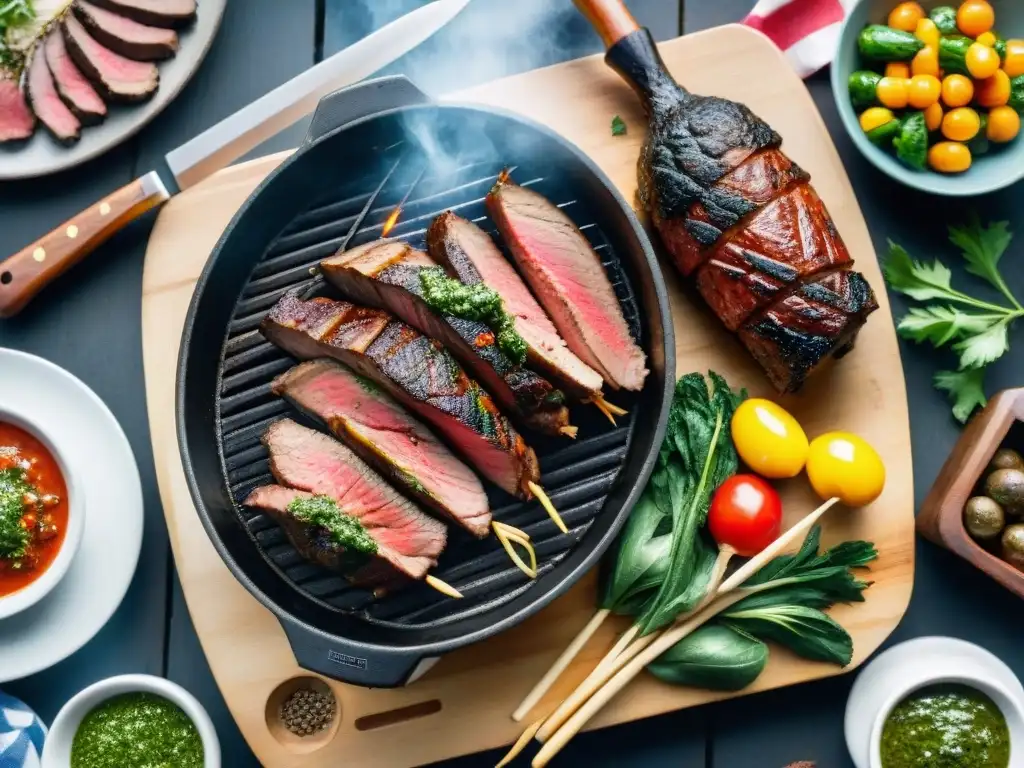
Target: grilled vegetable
953, 54
881, 43
912, 143
863, 85
945, 19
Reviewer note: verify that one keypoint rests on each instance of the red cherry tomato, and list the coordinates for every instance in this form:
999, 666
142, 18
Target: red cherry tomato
745, 514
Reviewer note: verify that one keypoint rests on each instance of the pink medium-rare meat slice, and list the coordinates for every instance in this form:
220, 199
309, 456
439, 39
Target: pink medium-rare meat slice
46, 102
391, 441
311, 461
569, 280
383, 568
157, 13
125, 36
418, 372
116, 77
389, 275
72, 85
789, 240
472, 256
17, 121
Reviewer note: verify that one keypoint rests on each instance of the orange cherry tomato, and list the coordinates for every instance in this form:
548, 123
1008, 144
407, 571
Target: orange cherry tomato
975, 17
905, 16
900, 69
961, 124
933, 117
995, 91
745, 514
926, 62
1014, 63
957, 91
1003, 125
982, 61
924, 91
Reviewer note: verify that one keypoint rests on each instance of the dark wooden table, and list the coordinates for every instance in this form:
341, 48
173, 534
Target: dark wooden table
89, 323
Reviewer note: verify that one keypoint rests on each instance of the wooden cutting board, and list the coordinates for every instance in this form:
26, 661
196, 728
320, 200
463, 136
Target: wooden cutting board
463, 704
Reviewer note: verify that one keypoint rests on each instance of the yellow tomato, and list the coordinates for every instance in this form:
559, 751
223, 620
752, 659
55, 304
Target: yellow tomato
988, 38
1013, 65
949, 157
975, 17
768, 439
933, 117
905, 16
1003, 125
893, 92
924, 91
957, 91
982, 61
928, 33
899, 69
875, 117
961, 124
995, 91
926, 62
843, 465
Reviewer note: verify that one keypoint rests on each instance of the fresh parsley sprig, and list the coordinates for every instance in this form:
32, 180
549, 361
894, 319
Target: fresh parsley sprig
977, 330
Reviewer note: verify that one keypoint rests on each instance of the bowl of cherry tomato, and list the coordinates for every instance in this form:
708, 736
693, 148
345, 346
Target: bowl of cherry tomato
932, 92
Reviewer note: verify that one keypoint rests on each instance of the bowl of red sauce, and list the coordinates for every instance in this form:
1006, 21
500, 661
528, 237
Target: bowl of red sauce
41, 518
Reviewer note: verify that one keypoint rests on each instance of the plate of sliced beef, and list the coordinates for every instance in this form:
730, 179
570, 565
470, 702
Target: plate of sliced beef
94, 72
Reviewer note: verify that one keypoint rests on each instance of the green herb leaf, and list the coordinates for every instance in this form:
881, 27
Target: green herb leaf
14, 537
915, 278
639, 553
715, 656
942, 324
982, 248
965, 388
618, 126
984, 348
806, 631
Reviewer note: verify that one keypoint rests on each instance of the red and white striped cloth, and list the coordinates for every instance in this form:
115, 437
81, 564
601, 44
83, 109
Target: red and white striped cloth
806, 30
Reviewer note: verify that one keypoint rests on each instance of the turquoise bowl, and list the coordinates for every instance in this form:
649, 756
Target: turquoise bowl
989, 173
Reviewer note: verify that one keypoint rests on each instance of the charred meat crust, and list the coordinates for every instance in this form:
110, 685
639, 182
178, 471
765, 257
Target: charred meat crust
125, 36
387, 275
73, 87
417, 372
116, 78
45, 101
156, 13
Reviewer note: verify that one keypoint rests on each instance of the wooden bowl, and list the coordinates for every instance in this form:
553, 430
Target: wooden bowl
941, 516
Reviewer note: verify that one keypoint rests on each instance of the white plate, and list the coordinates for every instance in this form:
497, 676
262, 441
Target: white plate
98, 454
41, 154
917, 661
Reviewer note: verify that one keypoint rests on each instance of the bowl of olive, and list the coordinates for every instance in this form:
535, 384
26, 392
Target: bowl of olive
976, 507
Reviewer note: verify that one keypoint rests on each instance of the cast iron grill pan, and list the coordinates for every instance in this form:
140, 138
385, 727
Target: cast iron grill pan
339, 190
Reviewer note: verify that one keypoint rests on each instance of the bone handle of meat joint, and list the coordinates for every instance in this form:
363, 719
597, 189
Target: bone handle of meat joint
610, 18
27, 272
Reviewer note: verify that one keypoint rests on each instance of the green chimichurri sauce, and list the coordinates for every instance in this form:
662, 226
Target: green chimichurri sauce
345, 530
946, 726
14, 537
137, 730
473, 302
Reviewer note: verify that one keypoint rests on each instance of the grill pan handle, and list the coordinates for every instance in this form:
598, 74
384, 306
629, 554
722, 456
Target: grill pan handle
357, 101
358, 664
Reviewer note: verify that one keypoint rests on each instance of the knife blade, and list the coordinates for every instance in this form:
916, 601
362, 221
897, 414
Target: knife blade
26, 273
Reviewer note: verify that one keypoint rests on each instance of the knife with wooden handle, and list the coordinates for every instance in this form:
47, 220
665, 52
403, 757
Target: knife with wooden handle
26, 273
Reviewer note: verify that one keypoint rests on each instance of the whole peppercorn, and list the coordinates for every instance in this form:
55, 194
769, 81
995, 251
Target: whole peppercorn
307, 712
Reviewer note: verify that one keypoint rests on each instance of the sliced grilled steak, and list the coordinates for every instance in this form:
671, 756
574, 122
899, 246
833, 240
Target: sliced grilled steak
46, 102
735, 212
387, 275
17, 121
386, 568
71, 84
416, 371
126, 36
803, 330
311, 461
471, 255
390, 440
116, 77
569, 280
157, 13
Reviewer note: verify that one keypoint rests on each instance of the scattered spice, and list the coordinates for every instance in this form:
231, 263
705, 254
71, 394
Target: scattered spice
137, 730
307, 712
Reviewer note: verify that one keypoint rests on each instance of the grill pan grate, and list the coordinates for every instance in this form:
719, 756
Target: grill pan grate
578, 475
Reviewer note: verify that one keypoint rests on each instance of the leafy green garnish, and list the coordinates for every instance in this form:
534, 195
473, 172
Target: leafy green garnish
14, 537
618, 126
716, 656
977, 330
344, 530
13, 14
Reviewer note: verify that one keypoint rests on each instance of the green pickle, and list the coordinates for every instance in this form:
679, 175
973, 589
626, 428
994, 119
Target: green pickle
944, 17
863, 87
884, 135
912, 143
881, 43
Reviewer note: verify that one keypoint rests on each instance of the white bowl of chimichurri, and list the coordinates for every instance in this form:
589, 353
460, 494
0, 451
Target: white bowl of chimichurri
958, 721
132, 721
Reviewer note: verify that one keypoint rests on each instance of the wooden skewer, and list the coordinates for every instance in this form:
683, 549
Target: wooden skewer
596, 686
569, 431
520, 745
443, 587
556, 670
545, 502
